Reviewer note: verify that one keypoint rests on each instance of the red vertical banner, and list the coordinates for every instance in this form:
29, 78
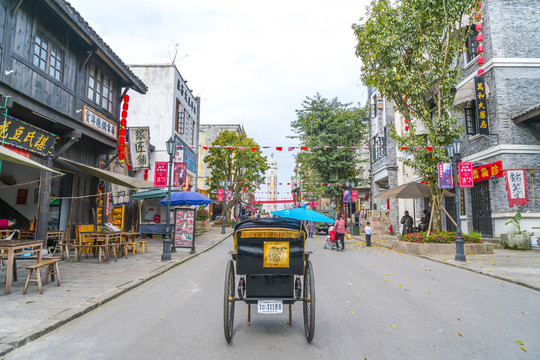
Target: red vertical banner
220, 195
354, 196
160, 174
465, 172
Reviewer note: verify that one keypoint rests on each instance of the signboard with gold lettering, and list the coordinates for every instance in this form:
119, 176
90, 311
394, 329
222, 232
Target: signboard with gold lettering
99, 123
276, 254
22, 135
485, 172
481, 105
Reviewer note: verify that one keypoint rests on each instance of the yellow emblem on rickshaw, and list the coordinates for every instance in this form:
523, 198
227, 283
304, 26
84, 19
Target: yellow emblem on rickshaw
276, 254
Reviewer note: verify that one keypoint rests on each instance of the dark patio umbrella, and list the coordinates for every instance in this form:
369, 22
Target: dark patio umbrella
186, 198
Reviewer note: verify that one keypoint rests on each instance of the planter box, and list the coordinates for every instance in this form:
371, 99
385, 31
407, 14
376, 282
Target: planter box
516, 241
439, 249
202, 225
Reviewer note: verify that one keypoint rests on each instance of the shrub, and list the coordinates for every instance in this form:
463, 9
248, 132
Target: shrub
442, 237
202, 215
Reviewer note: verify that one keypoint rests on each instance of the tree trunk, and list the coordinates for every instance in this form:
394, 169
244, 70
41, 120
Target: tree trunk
437, 201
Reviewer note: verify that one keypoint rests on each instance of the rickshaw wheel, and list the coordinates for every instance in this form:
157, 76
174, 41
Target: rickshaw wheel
309, 301
228, 303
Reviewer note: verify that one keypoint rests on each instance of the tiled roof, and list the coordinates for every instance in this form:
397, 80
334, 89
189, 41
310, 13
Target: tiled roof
79, 23
529, 110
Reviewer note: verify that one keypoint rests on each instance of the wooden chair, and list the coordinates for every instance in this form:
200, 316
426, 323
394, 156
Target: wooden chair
117, 246
142, 246
53, 238
52, 268
27, 235
82, 242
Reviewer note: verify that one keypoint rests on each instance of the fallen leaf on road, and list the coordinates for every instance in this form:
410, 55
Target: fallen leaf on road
522, 348
352, 312
519, 342
394, 326
525, 313
349, 283
427, 269
477, 289
460, 334
456, 303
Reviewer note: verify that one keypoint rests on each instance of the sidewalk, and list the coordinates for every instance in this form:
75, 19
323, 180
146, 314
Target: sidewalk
85, 286
518, 267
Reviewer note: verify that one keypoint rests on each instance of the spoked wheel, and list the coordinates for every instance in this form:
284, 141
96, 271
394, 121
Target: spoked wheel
309, 301
228, 303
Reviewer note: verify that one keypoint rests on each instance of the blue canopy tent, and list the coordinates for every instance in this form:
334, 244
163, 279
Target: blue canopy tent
303, 214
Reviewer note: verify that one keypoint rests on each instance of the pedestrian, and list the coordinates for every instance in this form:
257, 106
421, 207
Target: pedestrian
311, 228
407, 222
367, 230
341, 229
7, 223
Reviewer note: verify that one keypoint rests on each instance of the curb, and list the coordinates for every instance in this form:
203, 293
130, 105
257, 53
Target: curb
94, 303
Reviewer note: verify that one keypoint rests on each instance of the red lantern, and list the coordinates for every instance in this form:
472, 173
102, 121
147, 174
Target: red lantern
120, 147
121, 140
406, 128
125, 106
122, 131
429, 148
480, 72
480, 61
479, 38
121, 156
480, 49
124, 114
126, 98
405, 121
479, 27
478, 16
123, 122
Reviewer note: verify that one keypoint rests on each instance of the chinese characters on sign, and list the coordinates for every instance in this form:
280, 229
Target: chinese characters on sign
99, 123
184, 227
179, 174
139, 139
484, 172
465, 172
516, 187
160, 174
380, 117
355, 196
25, 136
220, 195
445, 175
481, 105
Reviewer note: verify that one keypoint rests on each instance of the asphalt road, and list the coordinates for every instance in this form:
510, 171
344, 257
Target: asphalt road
372, 303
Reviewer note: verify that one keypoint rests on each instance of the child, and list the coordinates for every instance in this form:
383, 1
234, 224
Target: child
367, 229
331, 235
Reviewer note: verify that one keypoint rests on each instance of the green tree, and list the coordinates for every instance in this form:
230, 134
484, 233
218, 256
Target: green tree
322, 126
234, 160
409, 51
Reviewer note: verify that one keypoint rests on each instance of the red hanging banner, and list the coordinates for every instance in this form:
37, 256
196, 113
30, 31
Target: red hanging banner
220, 195
465, 172
160, 174
485, 172
355, 196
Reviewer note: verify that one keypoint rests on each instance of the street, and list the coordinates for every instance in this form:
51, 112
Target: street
371, 303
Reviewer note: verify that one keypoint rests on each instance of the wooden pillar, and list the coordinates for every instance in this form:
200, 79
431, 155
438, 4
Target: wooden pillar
43, 205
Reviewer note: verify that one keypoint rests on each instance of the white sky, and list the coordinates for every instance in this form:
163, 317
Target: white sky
251, 62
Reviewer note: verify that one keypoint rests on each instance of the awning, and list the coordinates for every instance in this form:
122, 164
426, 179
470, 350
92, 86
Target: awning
112, 177
151, 194
12, 156
466, 93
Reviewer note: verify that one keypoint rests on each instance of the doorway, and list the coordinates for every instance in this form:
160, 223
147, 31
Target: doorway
481, 209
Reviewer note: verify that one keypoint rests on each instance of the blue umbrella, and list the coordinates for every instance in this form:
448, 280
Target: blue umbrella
186, 198
303, 214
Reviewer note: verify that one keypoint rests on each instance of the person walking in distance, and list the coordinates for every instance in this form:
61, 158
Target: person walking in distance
341, 229
367, 229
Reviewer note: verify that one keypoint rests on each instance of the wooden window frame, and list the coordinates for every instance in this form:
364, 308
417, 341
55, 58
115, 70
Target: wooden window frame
472, 45
470, 120
52, 64
100, 87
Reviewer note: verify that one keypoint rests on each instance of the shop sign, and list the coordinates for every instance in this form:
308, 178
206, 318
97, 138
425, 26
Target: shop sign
99, 123
22, 135
189, 159
465, 172
445, 175
516, 187
184, 227
220, 195
485, 172
160, 174
139, 139
355, 196
481, 105
380, 117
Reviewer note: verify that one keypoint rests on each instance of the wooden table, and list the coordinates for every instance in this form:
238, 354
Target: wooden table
18, 248
99, 238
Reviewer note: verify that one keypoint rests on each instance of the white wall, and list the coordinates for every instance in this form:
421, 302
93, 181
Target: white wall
22, 174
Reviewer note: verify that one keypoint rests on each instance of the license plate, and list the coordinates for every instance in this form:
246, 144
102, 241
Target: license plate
270, 306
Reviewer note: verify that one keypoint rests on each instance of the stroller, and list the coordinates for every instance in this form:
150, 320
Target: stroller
330, 239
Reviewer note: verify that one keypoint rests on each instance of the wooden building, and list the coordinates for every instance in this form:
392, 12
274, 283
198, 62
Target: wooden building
59, 80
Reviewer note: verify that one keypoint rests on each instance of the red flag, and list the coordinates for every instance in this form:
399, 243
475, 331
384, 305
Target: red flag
253, 149
303, 148
429, 148
229, 147
403, 148
205, 147
279, 148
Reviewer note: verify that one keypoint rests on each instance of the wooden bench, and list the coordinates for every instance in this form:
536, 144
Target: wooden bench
51, 269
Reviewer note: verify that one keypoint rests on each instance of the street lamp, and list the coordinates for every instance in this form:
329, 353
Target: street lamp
224, 185
454, 150
167, 239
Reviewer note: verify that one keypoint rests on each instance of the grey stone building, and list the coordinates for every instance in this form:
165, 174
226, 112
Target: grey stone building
512, 74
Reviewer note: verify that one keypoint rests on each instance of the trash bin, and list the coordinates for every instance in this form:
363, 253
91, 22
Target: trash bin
355, 230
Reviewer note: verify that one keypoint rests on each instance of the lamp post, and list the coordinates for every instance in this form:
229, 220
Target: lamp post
167, 239
224, 185
454, 150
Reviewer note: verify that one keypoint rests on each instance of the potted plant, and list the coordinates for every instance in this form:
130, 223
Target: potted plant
202, 219
519, 240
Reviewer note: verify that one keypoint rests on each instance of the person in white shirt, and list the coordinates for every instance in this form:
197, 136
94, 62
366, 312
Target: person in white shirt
367, 229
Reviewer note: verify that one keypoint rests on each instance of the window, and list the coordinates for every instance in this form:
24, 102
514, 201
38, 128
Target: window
100, 88
180, 118
470, 119
193, 133
379, 147
472, 44
48, 57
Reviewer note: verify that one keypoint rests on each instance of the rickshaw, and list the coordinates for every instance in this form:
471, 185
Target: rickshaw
274, 271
